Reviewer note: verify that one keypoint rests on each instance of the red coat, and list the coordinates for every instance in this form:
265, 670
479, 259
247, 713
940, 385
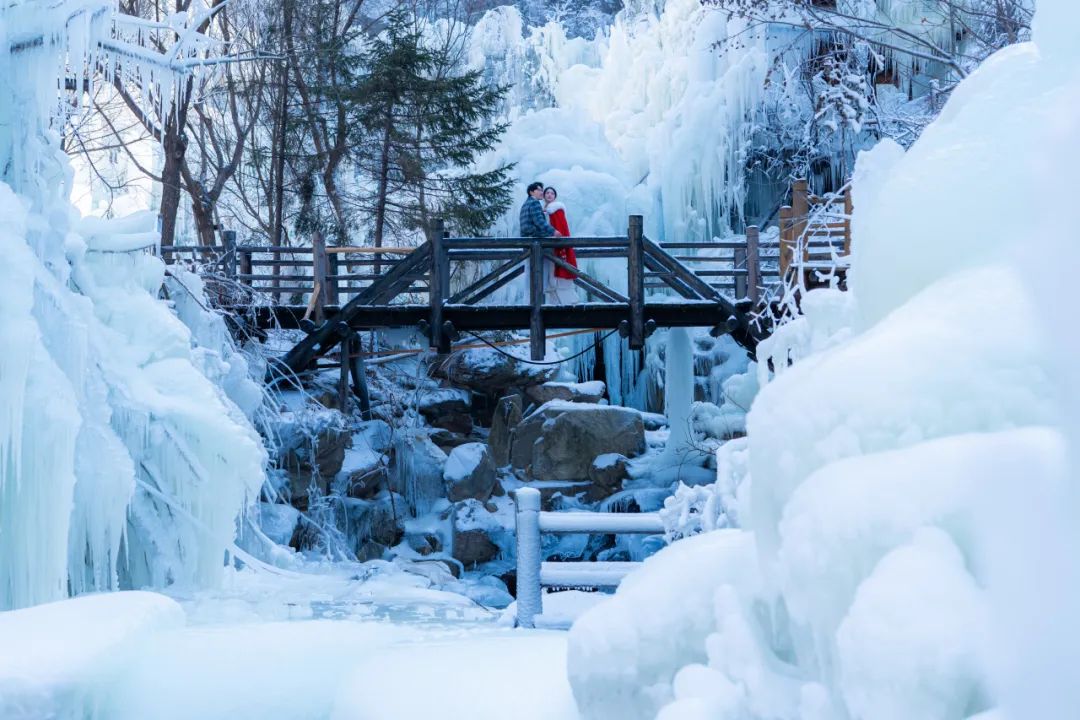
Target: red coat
557, 217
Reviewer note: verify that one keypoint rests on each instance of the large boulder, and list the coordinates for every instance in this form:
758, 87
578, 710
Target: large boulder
507, 416
469, 473
486, 371
586, 392
560, 440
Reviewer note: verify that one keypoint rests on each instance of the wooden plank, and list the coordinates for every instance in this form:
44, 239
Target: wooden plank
229, 259
516, 259
485, 255
725, 245
691, 280
438, 281
753, 264
331, 278
272, 250
312, 302
319, 270
669, 278
587, 281
740, 281
787, 250
800, 212
537, 341
245, 263
490, 289
635, 281
849, 211
372, 250
615, 243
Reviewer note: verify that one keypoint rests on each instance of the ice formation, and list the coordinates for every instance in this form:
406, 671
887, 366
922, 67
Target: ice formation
908, 475
125, 451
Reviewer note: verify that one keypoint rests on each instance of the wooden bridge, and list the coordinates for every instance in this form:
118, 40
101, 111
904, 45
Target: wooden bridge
449, 285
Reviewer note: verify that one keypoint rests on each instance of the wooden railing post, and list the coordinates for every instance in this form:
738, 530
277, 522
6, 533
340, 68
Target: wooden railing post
800, 213
738, 266
635, 281
359, 375
847, 222
332, 295
228, 239
319, 272
438, 285
787, 246
753, 264
245, 266
537, 333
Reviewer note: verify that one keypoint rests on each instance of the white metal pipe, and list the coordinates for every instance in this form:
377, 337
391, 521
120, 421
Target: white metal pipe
585, 574
588, 522
529, 599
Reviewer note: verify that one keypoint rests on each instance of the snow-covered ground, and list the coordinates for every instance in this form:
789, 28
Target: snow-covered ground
289, 646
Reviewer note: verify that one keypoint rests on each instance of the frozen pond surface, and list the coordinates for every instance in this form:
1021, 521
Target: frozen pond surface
292, 647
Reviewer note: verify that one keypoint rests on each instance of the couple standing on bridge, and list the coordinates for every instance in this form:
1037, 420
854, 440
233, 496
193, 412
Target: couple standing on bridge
543, 216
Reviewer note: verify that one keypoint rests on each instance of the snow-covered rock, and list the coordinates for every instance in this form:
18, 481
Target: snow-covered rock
506, 417
486, 371
469, 473
606, 474
585, 392
560, 440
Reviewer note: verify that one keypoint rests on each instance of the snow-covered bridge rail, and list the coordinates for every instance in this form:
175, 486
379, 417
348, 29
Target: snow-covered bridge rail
533, 574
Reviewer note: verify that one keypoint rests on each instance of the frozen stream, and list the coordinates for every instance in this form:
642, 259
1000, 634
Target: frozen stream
295, 646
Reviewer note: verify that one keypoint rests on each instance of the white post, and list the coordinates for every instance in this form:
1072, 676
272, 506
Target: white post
529, 599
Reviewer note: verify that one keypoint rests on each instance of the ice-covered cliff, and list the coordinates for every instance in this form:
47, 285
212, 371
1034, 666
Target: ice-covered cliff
126, 453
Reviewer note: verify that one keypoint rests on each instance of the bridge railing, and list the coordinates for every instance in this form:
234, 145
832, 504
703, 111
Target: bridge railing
287, 274
533, 574
815, 236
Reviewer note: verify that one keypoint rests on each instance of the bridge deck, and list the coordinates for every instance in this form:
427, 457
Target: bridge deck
684, 313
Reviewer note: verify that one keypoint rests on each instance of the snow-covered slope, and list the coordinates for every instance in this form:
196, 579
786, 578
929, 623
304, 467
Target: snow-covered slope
909, 476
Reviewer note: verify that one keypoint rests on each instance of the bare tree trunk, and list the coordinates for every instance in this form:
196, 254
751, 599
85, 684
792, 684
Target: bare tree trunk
380, 193
174, 146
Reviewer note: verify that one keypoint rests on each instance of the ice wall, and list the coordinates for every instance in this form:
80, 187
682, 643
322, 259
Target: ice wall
647, 118
911, 476
123, 460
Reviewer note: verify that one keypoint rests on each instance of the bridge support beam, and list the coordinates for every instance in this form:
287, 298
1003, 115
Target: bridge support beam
438, 285
635, 281
537, 333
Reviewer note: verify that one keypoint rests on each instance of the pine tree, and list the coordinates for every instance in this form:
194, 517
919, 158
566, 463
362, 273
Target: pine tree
421, 127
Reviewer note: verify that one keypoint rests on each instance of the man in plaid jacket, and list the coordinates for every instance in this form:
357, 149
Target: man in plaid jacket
533, 219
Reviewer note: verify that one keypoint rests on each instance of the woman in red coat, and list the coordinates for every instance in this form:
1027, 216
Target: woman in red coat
560, 288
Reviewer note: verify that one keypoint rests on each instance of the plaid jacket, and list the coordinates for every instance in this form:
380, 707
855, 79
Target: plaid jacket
533, 220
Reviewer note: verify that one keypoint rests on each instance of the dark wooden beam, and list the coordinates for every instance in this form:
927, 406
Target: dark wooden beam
635, 282
537, 337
